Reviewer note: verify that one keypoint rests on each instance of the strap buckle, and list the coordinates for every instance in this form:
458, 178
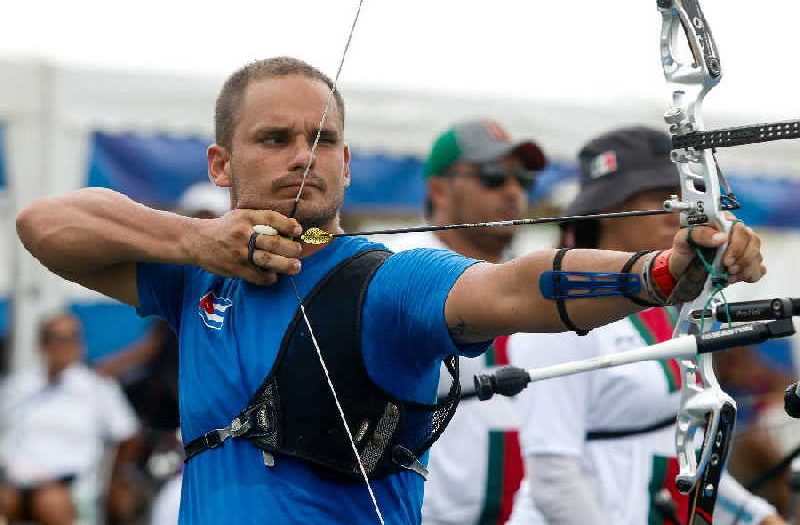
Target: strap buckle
217, 437
406, 459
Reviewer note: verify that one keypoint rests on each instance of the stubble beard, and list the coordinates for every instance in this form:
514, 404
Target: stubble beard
321, 214
494, 239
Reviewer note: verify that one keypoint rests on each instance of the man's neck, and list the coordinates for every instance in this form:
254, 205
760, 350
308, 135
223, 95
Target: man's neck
455, 241
310, 249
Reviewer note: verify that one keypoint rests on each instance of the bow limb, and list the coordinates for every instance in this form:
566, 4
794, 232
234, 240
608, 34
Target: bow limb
702, 201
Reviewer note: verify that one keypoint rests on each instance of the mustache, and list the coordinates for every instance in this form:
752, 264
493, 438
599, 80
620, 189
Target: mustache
295, 178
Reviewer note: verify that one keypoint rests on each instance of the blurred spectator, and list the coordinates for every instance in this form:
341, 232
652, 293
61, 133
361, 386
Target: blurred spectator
475, 173
204, 201
55, 425
756, 377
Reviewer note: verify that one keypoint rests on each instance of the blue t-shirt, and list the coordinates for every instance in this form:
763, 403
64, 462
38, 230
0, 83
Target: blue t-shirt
229, 333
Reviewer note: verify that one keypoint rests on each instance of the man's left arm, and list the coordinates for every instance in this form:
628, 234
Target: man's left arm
497, 299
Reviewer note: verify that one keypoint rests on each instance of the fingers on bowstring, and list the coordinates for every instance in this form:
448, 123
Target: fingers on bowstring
269, 251
284, 225
273, 252
278, 245
273, 262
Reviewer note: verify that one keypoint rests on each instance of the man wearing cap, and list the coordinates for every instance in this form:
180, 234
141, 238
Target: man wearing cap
265, 439
475, 173
600, 447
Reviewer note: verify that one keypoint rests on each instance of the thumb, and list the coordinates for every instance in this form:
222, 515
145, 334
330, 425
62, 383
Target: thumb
686, 242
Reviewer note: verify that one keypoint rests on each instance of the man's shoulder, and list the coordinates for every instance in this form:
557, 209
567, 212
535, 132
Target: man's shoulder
20, 384
410, 241
83, 377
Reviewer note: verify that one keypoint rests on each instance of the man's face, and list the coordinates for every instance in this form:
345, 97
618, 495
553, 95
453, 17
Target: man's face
271, 147
468, 198
62, 343
651, 232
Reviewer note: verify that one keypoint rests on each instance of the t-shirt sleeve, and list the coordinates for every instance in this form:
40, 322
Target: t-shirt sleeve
404, 329
118, 415
160, 288
409, 294
562, 403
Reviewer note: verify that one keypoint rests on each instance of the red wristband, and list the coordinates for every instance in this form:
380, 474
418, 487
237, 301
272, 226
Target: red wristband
662, 278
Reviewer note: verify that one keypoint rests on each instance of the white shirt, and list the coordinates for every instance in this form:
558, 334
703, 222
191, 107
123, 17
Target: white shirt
59, 429
167, 503
557, 414
468, 463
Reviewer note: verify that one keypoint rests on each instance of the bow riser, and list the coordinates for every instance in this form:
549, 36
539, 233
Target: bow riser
703, 403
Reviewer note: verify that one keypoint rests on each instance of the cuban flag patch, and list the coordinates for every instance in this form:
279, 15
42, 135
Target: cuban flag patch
213, 309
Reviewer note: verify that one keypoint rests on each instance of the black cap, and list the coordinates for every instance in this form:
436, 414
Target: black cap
621, 163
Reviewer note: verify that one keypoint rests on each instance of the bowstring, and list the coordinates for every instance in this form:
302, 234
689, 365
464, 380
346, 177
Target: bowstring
322, 363
325, 109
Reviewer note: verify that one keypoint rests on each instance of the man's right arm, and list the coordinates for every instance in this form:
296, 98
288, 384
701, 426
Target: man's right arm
96, 236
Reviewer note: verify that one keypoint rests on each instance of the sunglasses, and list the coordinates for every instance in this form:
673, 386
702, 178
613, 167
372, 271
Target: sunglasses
494, 176
61, 338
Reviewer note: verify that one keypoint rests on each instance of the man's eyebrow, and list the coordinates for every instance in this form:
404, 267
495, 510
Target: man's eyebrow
271, 129
330, 133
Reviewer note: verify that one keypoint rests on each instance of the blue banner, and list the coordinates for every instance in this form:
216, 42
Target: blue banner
155, 169
96, 319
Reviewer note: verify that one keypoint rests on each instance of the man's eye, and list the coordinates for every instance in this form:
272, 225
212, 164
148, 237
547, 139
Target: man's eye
325, 138
273, 140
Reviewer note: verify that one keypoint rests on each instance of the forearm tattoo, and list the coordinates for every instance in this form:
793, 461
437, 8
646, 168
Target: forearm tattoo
460, 329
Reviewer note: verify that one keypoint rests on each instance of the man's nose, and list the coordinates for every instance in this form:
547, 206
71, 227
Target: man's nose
512, 185
301, 154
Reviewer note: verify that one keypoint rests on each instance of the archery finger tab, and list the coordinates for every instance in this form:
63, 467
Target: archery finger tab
264, 229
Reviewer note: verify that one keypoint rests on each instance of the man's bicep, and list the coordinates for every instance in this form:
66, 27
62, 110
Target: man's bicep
490, 300
466, 319
117, 282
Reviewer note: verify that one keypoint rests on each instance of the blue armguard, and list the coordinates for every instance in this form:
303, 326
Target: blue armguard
575, 285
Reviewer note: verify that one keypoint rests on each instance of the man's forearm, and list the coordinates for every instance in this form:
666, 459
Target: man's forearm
92, 229
591, 312
514, 302
496, 299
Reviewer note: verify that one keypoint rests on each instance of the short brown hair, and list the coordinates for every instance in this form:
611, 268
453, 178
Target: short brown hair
47, 322
229, 98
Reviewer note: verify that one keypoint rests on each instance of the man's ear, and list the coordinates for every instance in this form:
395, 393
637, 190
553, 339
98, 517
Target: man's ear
346, 170
438, 191
219, 165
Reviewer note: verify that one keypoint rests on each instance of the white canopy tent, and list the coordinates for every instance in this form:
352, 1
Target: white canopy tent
50, 111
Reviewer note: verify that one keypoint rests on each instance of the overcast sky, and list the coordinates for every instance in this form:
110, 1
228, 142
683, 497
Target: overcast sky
571, 49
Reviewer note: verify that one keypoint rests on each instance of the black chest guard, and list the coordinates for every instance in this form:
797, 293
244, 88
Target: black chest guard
293, 412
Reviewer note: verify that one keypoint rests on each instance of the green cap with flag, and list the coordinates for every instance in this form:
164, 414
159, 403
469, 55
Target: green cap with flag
479, 141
